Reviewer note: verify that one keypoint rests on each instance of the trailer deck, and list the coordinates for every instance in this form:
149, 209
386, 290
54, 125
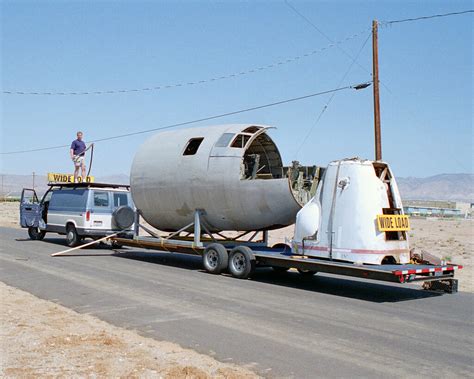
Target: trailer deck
434, 276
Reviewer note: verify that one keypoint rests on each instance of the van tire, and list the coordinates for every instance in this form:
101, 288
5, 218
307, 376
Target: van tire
72, 238
215, 258
35, 233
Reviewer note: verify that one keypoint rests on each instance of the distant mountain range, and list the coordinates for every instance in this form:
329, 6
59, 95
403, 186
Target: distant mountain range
454, 187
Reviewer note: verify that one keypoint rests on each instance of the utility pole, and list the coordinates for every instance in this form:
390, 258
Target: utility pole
34, 180
375, 77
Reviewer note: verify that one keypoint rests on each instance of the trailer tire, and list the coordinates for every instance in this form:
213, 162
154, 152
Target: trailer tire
307, 273
241, 262
215, 258
35, 233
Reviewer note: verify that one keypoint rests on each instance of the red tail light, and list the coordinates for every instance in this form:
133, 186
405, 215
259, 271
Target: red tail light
88, 215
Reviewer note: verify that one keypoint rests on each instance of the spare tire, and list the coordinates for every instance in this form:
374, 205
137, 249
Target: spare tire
123, 217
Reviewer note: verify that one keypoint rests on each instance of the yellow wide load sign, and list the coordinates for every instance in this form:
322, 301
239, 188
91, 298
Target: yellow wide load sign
393, 223
67, 178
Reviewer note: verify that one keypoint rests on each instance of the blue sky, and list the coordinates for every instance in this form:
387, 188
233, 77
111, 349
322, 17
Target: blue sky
426, 68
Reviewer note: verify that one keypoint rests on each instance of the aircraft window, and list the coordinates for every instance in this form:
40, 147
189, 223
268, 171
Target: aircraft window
193, 146
240, 141
224, 140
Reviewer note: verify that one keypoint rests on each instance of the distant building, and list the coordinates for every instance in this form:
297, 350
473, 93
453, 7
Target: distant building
434, 208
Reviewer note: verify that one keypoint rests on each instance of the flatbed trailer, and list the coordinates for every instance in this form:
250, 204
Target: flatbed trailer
240, 258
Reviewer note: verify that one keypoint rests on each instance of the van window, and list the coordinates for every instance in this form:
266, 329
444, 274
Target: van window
193, 146
101, 199
73, 199
120, 199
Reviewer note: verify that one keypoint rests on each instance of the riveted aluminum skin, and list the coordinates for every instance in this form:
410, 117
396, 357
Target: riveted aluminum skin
168, 186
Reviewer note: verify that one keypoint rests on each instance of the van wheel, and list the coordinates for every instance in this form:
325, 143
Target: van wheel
241, 262
72, 238
36, 234
215, 258
307, 273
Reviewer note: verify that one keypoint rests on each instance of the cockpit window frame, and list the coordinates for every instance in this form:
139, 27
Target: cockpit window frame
245, 138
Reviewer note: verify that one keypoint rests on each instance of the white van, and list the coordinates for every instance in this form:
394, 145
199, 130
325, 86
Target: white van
78, 210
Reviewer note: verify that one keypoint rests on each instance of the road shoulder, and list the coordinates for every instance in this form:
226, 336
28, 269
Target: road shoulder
41, 338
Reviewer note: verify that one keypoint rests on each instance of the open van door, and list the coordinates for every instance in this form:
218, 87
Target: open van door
30, 209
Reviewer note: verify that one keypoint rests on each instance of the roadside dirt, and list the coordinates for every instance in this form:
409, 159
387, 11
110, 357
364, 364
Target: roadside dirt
53, 341
10, 214
449, 239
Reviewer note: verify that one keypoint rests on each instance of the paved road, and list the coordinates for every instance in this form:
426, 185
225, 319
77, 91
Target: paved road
278, 325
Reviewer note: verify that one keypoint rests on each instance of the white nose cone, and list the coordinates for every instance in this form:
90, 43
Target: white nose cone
307, 221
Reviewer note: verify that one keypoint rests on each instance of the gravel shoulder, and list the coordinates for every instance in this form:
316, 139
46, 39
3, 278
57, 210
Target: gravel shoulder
54, 341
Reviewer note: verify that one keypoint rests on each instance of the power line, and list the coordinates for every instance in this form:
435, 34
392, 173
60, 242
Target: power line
354, 86
325, 107
426, 17
191, 83
313, 25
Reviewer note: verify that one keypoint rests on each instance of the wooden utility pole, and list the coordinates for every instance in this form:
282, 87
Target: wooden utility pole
34, 179
375, 77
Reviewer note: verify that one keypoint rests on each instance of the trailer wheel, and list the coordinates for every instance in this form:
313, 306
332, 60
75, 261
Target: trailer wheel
241, 262
215, 258
35, 233
307, 273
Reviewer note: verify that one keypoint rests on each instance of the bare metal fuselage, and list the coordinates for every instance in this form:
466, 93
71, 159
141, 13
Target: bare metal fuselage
235, 177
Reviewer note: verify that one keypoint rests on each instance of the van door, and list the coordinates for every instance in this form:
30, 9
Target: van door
101, 210
30, 208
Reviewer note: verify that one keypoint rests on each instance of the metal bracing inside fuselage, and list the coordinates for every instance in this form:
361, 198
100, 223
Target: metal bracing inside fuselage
262, 160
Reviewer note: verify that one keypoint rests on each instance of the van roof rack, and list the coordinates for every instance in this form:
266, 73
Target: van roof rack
87, 185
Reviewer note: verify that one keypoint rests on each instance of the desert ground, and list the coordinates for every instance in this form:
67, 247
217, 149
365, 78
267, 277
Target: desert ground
66, 343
